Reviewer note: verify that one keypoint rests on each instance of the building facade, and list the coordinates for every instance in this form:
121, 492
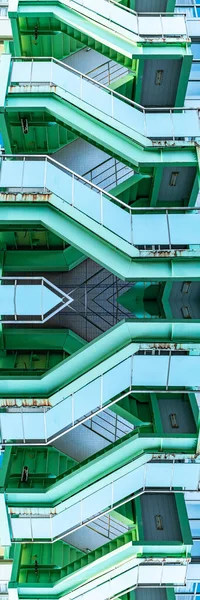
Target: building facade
99, 300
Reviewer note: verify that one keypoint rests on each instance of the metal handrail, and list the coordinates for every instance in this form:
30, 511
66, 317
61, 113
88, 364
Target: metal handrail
100, 190
131, 10
164, 109
106, 173
111, 72
99, 165
107, 62
137, 14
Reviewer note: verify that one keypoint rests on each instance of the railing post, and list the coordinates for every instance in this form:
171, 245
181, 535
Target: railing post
112, 494
112, 104
81, 87
72, 202
72, 408
31, 527
145, 122
131, 223
42, 309
101, 391
171, 117
81, 509
115, 171
45, 175
15, 307
23, 166
51, 73
168, 370
45, 425
101, 207
161, 23
108, 72
51, 528
31, 74
168, 228
24, 438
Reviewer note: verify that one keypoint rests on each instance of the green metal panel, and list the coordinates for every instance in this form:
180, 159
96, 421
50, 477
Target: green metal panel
127, 266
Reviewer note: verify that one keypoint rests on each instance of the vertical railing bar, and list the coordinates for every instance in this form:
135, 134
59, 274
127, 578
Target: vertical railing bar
72, 408
81, 87
31, 73
168, 229
23, 431
51, 527
14, 299
168, 370
131, 219
72, 202
112, 104
31, 527
145, 122
131, 373
138, 24
112, 494
51, 73
42, 304
172, 124
161, 23
101, 391
115, 171
23, 167
101, 207
81, 507
172, 474
45, 175
161, 574
45, 425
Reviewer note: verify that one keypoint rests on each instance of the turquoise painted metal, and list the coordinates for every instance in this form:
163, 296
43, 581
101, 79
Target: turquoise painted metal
99, 440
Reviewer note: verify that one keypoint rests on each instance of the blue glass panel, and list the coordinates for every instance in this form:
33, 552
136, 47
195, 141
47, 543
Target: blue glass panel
196, 549
195, 527
196, 50
188, 10
193, 510
195, 71
193, 89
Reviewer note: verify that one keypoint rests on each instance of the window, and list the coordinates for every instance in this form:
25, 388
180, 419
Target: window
196, 50
190, 7
193, 89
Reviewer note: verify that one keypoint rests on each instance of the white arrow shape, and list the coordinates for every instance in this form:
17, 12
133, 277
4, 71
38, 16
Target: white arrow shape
40, 299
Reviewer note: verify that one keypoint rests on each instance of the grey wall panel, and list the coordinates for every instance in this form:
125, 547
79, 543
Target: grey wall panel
164, 505
183, 187
183, 413
164, 94
151, 5
150, 594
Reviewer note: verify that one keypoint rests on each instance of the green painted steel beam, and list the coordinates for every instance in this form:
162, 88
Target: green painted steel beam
42, 339
99, 128
136, 447
111, 348
42, 260
94, 30
105, 558
127, 266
